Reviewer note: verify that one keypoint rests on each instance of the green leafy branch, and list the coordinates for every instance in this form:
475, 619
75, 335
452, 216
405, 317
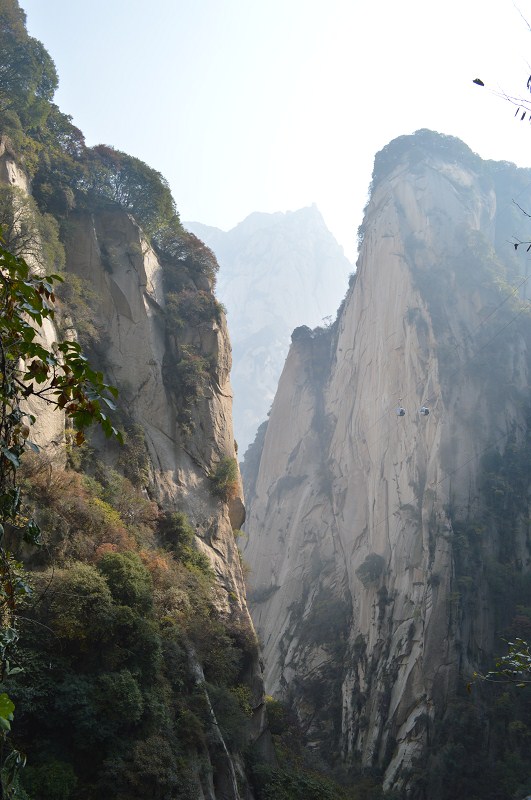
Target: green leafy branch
61, 376
514, 667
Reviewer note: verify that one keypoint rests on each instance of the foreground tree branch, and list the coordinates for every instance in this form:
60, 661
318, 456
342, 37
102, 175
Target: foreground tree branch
61, 376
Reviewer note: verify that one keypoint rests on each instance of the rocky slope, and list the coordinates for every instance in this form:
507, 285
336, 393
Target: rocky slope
138, 357
182, 438
277, 271
129, 285
374, 539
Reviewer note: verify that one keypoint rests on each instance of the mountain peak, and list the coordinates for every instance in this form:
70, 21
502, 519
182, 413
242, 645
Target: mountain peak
277, 271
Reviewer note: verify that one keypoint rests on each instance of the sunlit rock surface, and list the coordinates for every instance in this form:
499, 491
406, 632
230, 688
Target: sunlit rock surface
110, 252
369, 613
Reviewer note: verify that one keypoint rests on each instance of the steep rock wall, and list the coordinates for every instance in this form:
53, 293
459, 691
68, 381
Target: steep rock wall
143, 597
136, 349
109, 251
358, 584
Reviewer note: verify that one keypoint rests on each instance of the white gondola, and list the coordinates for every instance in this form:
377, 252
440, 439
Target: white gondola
424, 411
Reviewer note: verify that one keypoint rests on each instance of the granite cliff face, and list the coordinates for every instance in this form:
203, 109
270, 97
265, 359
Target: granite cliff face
129, 285
373, 537
123, 598
141, 352
292, 258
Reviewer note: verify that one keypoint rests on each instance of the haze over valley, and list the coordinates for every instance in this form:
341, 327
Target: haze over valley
264, 508
277, 271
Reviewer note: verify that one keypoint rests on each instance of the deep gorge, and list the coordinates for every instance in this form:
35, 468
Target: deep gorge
386, 557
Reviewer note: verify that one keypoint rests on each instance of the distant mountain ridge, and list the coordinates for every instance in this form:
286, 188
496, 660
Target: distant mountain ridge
277, 271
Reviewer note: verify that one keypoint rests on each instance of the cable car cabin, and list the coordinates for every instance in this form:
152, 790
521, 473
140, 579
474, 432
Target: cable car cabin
400, 412
424, 411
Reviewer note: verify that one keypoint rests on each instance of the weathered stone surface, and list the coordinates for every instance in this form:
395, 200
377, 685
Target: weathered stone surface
350, 540
109, 251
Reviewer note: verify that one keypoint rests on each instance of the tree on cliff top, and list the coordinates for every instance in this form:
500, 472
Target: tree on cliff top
130, 183
28, 78
65, 173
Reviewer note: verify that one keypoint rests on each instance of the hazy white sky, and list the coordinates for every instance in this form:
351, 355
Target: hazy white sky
246, 105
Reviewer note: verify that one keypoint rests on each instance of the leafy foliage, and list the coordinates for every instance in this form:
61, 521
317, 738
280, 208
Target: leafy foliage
179, 537
65, 172
79, 300
27, 232
134, 459
370, 571
27, 73
107, 704
60, 376
128, 579
480, 743
192, 313
275, 784
298, 775
107, 674
128, 182
192, 307
477, 751
188, 377
514, 666
68, 176
224, 479
188, 261
55, 780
